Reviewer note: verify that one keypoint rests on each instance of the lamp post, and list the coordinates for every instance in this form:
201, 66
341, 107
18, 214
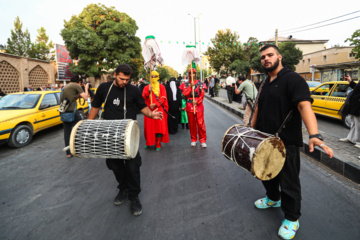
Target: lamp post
198, 17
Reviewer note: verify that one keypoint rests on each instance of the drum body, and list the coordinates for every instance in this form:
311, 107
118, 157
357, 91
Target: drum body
260, 153
105, 139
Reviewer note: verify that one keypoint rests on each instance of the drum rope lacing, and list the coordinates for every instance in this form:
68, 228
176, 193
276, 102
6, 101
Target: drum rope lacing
240, 135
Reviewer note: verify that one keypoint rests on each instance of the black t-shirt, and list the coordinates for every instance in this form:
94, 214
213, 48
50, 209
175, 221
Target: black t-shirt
114, 107
275, 102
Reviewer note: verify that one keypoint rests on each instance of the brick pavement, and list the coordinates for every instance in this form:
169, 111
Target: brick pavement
346, 160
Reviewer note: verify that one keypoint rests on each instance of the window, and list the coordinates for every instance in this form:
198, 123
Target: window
352, 54
303, 61
340, 90
49, 100
309, 61
324, 58
323, 90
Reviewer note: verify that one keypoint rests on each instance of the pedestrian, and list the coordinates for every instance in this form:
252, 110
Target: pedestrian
230, 87
211, 86
206, 81
183, 119
127, 172
156, 130
72, 92
352, 108
194, 92
284, 90
174, 101
249, 94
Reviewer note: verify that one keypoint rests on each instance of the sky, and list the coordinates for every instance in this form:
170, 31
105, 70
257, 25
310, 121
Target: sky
168, 20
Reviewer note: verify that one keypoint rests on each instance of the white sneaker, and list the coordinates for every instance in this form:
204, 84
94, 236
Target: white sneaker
193, 144
204, 145
357, 145
344, 140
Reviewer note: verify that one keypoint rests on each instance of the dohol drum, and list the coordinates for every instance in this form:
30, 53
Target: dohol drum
105, 139
260, 153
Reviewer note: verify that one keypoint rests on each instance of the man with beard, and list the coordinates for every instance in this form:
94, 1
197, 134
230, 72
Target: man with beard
127, 172
284, 90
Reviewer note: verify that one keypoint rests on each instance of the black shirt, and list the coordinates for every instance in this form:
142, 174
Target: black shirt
275, 102
114, 107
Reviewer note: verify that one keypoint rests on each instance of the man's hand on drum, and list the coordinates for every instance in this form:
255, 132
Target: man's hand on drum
156, 115
317, 142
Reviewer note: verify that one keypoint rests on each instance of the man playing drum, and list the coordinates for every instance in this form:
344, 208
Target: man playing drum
127, 172
284, 90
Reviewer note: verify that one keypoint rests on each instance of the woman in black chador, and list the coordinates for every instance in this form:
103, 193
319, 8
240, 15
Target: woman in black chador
174, 101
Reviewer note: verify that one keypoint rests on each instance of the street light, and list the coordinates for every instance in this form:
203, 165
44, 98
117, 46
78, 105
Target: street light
198, 17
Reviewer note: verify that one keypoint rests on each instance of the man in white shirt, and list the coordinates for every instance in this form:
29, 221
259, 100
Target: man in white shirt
230, 87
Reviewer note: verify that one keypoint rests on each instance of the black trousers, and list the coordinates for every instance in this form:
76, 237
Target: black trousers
212, 91
289, 182
230, 93
127, 174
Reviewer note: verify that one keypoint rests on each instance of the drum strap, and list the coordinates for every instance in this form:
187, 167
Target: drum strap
101, 109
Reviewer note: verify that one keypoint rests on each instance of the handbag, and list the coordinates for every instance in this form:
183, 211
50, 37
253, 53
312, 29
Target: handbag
69, 116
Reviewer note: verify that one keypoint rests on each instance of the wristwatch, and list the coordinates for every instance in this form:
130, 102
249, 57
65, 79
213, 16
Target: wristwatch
319, 136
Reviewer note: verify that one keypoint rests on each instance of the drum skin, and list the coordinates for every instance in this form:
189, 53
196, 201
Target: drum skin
105, 139
261, 154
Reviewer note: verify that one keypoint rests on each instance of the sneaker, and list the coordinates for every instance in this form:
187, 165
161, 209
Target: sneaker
288, 229
357, 145
193, 144
203, 145
135, 207
120, 197
344, 140
266, 203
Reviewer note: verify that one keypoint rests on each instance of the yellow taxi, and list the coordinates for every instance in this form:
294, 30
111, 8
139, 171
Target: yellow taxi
25, 113
329, 97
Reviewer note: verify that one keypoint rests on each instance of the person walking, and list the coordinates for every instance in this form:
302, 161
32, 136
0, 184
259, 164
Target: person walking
126, 171
284, 93
174, 101
230, 87
249, 94
212, 86
352, 108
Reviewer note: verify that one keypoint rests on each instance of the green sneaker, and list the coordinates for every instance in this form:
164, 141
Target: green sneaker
266, 203
288, 229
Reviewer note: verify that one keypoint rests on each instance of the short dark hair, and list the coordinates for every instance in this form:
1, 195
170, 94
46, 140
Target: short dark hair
270, 46
241, 78
124, 68
76, 78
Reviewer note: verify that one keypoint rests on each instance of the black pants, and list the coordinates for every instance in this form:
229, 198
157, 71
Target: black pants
127, 174
289, 182
230, 93
212, 91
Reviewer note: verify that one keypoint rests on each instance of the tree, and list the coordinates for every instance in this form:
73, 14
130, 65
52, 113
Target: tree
41, 49
290, 54
163, 73
19, 43
172, 72
100, 37
355, 41
226, 49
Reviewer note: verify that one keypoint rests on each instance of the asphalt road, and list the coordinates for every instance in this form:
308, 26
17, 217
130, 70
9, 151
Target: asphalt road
187, 193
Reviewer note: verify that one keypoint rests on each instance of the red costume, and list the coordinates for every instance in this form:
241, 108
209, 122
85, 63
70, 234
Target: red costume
196, 120
152, 126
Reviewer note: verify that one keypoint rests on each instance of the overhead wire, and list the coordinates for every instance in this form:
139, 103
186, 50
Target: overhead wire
320, 22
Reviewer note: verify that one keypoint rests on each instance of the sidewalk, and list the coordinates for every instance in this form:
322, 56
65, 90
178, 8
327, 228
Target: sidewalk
345, 161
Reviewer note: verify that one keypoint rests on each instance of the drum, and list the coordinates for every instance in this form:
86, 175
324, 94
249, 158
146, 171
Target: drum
261, 154
105, 139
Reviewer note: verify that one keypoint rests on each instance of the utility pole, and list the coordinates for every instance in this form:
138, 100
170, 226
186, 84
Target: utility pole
276, 37
201, 76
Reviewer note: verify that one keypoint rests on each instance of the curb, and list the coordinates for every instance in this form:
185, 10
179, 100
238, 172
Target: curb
346, 169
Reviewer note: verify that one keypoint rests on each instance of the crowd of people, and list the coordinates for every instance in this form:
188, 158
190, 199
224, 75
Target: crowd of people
47, 87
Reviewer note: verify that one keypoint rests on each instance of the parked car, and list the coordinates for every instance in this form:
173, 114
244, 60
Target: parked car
329, 97
313, 84
25, 113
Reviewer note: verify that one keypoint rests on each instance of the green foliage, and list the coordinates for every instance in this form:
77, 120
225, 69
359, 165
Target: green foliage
163, 74
355, 41
41, 49
290, 54
99, 37
172, 72
19, 43
197, 70
226, 49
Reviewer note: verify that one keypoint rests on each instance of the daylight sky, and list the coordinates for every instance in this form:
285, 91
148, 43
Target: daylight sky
168, 20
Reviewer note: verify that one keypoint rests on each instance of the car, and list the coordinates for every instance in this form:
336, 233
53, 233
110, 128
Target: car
23, 114
313, 84
329, 97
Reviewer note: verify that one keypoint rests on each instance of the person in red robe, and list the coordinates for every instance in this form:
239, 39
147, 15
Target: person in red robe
195, 108
156, 131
